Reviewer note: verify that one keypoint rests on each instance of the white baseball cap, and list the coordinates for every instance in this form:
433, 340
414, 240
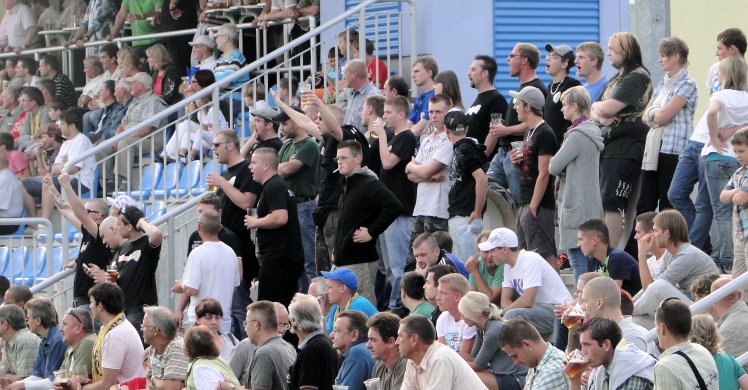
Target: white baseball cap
499, 238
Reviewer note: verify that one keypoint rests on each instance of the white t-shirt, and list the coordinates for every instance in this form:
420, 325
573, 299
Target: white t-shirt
734, 111
213, 271
74, 147
453, 331
531, 270
432, 198
122, 350
15, 23
712, 81
655, 266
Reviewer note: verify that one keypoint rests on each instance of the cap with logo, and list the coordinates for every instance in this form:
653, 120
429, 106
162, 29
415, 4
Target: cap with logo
500, 238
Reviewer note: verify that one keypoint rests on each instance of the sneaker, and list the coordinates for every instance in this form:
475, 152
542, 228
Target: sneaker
563, 262
29, 231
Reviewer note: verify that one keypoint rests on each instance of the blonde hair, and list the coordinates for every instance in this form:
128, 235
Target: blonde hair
594, 50
475, 305
704, 332
577, 95
159, 54
732, 73
457, 283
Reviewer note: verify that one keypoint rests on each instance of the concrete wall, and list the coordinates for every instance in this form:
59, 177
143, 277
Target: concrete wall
698, 23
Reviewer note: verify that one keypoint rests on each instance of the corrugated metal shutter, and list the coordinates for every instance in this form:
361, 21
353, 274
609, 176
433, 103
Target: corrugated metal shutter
540, 22
382, 26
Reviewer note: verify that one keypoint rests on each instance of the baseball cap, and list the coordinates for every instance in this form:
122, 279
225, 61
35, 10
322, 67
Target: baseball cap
531, 96
265, 113
205, 41
499, 238
282, 116
563, 51
142, 77
343, 275
121, 201
456, 121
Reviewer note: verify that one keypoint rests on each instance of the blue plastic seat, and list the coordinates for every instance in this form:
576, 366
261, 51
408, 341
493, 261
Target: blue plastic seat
57, 265
18, 257
92, 192
4, 258
151, 176
155, 210
209, 167
73, 234
189, 180
34, 267
168, 181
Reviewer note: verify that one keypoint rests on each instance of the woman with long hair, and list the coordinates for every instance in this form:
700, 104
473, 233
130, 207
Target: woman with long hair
494, 367
446, 83
704, 332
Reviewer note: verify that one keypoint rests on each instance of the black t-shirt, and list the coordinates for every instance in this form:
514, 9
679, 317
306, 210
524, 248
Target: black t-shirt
330, 186
626, 136
511, 113
225, 235
467, 159
552, 109
540, 141
404, 146
188, 19
232, 216
137, 273
282, 244
316, 365
92, 251
479, 114
375, 162
274, 143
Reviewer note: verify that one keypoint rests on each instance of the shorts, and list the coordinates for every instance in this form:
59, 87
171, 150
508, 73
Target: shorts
536, 233
617, 179
508, 382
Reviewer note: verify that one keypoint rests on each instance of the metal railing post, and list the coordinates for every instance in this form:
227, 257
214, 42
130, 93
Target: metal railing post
413, 52
362, 33
313, 25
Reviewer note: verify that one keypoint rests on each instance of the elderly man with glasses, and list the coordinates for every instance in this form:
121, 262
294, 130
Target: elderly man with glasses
165, 363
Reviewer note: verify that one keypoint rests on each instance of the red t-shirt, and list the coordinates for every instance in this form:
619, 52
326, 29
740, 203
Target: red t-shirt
157, 84
381, 77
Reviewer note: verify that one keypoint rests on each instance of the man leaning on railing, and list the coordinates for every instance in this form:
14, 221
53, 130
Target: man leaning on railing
18, 28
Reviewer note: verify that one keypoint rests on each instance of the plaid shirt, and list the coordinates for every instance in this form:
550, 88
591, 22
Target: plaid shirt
19, 354
680, 127
633, 383
549, 373
739, 180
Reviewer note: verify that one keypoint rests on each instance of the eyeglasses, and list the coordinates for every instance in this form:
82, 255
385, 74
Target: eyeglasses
217, 144
342, 158
250, 321
88, 211
514, 55
147, 326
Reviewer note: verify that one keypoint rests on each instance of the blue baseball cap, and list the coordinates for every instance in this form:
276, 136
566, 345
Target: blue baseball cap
343, 275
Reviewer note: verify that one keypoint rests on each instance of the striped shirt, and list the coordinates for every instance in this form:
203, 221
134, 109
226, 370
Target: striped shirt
739, 180
549, 373
679, 129
64, 89
226, 66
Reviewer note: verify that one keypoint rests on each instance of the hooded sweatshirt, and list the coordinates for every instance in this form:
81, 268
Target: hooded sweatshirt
579, 156
628, 361
365, 202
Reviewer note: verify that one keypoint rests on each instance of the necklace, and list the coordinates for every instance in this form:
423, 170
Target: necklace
531, 132
557, 87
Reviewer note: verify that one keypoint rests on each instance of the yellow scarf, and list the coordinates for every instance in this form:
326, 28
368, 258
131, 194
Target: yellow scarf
97, 372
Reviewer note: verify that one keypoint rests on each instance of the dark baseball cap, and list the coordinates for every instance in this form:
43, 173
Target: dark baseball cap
456, 121
563, 51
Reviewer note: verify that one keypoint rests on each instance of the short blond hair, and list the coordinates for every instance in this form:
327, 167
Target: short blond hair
456, 282
577, 95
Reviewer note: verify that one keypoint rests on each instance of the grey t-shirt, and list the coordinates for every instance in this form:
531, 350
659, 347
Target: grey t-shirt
269, 367
489, 356
688, 264
393, 379
633, 333
240, 359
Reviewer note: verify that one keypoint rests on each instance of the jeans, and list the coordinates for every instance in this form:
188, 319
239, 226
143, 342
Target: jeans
505, 173
135, 317
33, 186
717, 174
307, 230
578, 262
541, 315
397, 238
239, 304
690, 169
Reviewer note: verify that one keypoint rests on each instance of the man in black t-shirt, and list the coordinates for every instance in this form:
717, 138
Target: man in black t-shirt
467, 185
395, 156
264, 132
137, 264
278, 235
535, 216
238, 193
558, 63
618, 112
316, 363
488, 102
522, 61
92, 250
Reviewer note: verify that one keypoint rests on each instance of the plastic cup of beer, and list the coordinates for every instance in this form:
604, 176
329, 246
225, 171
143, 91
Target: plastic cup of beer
496, 118
575, 314
339, 387
305, 87
252, 211
517, 144
113, 273
62, 378
577, 362
372, 384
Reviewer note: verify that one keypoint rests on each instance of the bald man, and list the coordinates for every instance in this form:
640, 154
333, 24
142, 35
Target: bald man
732, 315
602, 298
356, 76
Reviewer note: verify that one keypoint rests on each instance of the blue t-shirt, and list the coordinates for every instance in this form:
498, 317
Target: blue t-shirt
356, 368
596, 89
227, 65
729, 371
358, 303
620, 266
421, 106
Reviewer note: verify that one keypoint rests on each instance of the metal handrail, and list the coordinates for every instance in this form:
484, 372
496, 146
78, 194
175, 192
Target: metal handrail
48, 243
708, 301
215, 87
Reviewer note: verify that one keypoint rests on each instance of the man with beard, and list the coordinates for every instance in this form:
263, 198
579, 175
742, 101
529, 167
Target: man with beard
488, 102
